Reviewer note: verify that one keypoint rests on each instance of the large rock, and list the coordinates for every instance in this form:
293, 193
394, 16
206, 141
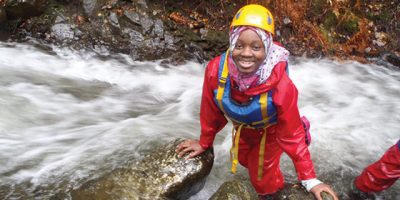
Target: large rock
243, 190
294, 191
159, 175
235, 190
340, 180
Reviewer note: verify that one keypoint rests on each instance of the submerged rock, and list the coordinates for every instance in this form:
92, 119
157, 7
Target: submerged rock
159, 175
243, 190
233, 190
392, 58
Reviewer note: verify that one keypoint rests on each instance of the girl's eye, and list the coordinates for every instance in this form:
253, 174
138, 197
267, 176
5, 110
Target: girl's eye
256, 48
239, 46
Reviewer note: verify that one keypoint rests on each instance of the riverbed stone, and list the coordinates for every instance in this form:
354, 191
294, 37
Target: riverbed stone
240, 189
393, 59
234, 190
147, 24
159, 175
132, 16
63, 31
159, 28
91, 7
135, 36
113, 18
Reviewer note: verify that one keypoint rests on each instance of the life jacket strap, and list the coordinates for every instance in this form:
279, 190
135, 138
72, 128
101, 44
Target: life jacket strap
235, 147
234, 152
261, 153
222, 81
264, 105
254, 124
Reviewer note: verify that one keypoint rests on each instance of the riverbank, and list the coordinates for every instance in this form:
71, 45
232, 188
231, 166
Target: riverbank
198, 30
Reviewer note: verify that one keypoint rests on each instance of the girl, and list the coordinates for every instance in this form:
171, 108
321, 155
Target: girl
249, 84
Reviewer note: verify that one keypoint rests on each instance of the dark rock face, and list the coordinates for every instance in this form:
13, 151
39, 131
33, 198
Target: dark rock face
362, 28
137, 27
3, 15
159, 175
24, 9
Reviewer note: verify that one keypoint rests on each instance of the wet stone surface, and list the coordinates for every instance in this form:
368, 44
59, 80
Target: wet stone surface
159, 175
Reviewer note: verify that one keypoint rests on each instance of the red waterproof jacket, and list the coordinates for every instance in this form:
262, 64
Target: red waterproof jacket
289, 130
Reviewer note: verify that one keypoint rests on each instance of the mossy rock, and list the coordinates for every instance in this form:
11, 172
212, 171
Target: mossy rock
242, 189
188, 34
161, 174
236, 189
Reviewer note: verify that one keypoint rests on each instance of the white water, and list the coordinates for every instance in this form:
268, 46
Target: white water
67, 117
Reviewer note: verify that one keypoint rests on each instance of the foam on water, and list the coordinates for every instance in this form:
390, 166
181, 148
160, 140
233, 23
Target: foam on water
69, 116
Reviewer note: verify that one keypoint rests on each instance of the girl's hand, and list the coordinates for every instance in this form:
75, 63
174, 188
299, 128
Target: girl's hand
322, 187
192, 146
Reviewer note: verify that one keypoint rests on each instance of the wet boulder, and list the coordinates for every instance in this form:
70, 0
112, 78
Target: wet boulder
294, 191
392, 59
159, 175
235, 189
242, 189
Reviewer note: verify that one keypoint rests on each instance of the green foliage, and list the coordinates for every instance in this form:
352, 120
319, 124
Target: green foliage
350, 26
317, 7
330, 20
326, 34
384, 16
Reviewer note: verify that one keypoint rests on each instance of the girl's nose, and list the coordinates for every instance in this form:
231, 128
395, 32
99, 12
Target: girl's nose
246, 52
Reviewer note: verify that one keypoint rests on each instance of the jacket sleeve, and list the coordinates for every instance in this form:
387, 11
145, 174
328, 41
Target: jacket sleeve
290, 131
212, 119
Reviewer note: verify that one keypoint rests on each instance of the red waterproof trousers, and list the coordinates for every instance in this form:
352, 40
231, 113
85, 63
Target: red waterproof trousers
381, 174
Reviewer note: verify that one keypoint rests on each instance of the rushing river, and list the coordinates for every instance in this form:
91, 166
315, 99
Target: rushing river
67, 117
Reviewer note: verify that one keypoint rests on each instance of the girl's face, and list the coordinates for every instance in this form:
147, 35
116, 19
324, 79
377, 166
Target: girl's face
249, 52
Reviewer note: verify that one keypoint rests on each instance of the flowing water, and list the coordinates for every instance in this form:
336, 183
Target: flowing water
67, 117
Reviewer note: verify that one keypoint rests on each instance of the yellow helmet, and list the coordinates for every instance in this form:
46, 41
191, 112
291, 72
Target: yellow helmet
254, 15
